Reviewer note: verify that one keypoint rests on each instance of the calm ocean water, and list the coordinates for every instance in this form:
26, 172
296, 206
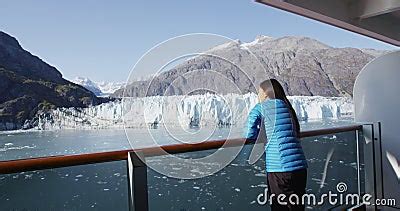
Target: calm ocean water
104, 186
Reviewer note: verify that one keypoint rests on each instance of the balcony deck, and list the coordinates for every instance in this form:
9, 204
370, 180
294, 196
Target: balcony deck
101, 179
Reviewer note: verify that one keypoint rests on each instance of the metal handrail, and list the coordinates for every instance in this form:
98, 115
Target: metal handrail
31, 164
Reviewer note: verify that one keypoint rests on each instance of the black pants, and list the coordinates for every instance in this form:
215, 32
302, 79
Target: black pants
287, 183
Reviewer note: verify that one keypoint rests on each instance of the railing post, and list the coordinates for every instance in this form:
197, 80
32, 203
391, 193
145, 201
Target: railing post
358, 145
373, 162
138, 190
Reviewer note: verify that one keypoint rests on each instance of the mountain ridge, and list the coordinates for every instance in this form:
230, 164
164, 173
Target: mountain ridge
303, 65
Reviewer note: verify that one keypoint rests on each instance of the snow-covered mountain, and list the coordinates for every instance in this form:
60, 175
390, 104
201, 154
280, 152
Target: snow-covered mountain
108, 88
187, 111
101, 89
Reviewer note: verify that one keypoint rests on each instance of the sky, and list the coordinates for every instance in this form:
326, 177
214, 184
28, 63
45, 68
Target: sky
102, 40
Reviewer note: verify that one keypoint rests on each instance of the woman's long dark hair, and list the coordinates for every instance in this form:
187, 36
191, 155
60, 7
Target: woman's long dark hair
274, 90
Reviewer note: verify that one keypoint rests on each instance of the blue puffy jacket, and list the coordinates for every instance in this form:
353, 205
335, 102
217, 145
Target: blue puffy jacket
283, 150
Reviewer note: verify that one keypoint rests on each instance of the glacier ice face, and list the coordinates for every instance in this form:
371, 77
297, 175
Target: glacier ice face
313, 108
187, 111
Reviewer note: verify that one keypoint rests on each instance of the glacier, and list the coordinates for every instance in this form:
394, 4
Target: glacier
185, 111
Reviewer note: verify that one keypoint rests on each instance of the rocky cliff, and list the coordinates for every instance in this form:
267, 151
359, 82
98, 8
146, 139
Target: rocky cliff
29, 86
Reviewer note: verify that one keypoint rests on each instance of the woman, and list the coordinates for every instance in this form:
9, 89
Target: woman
286, 165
